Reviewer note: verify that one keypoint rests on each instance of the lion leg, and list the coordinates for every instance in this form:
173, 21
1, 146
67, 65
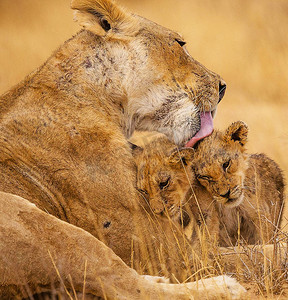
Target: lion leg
39, 251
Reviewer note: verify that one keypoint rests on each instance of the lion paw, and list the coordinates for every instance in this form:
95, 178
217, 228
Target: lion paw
235, 289
156, 279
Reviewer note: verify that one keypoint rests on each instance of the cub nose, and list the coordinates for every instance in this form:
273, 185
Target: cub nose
222, 89
227, 195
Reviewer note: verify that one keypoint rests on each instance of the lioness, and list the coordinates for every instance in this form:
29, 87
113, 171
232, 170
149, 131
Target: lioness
225, 188
64, 132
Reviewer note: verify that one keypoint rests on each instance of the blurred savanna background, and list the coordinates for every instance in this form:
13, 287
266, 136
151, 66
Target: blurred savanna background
245, 41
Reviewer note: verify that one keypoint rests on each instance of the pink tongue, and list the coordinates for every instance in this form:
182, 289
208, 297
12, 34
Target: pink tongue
205, 130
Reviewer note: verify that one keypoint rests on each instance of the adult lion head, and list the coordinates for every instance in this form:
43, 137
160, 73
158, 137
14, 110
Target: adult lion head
147, 68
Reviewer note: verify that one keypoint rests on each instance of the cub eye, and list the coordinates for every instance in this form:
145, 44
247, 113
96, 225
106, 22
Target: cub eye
184, 161
226, 165
181, 43
208, 178
143, 192
164, 184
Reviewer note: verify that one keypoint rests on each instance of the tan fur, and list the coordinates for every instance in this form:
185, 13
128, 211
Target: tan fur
162, 177
183, 199
248, 189
256, 185
64, 132
122, 23
49, 251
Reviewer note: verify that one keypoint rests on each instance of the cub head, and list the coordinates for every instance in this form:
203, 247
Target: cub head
220, 163
148, 73
163, 175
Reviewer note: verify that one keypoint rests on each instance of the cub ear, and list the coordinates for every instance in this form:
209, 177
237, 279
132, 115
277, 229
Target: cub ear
237, 132
181, 156
103, 16
136, 150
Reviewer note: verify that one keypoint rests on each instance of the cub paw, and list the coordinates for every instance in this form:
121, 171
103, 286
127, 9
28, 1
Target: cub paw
156, 279
234, 288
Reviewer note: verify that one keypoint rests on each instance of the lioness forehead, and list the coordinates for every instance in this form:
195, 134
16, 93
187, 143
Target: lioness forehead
148, 26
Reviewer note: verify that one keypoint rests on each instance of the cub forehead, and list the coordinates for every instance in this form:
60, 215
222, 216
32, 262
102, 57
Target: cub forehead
213, 149
151, 165
213, 160
159, 168
216, 158
158, 150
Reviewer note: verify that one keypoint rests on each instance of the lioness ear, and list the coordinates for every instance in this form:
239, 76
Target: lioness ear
237, 132
103, 16
136, 150
182, 156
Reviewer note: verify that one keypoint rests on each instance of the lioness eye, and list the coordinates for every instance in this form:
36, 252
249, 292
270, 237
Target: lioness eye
226, 165
164, 184
181, 43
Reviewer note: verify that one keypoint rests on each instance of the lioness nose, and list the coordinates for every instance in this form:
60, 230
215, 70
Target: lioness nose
222, 89
227, 195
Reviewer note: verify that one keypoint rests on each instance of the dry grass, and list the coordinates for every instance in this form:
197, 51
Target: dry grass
243, 40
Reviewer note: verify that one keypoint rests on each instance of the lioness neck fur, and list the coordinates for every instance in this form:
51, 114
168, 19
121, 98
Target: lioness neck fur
224, 188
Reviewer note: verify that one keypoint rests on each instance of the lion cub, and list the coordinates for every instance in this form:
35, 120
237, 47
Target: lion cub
166, 180
248, 189
244, 194
163, 175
